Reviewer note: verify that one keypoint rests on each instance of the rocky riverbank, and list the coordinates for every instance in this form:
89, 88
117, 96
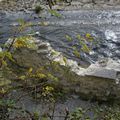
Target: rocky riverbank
99, 81
23, 5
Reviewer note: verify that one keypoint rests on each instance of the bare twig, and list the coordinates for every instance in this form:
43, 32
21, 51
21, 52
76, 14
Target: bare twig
67, 113
53, 111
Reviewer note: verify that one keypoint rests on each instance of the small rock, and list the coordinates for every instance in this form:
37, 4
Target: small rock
88, 6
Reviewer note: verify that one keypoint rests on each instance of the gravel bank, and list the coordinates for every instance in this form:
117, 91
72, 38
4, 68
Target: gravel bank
23, 5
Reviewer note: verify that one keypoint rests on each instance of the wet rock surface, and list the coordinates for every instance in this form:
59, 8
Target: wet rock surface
41, 108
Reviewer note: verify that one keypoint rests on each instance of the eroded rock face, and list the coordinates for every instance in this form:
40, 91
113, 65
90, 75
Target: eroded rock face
99, 81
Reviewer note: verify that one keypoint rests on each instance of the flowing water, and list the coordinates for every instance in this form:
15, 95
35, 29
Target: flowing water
103, 25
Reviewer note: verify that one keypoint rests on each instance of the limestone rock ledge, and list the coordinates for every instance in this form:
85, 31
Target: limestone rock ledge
99, 81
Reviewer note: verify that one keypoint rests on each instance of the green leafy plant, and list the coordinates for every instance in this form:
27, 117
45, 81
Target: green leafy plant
55, 13
76, 53
77, 114
24, 41
9, 103
38, 9
36, 116
68, 37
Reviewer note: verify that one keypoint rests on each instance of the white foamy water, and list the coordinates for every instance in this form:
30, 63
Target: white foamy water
110, 35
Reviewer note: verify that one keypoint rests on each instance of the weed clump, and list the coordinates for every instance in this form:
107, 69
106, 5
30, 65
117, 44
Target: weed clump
38, 9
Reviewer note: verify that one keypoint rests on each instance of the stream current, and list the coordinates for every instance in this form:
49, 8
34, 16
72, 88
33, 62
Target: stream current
103, 25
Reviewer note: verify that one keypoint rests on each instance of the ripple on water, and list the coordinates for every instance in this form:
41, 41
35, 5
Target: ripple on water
98, 23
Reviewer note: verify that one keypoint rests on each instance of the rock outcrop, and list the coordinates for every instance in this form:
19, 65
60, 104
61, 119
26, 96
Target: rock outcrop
99, 81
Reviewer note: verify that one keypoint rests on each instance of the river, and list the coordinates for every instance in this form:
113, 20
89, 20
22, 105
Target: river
103, 25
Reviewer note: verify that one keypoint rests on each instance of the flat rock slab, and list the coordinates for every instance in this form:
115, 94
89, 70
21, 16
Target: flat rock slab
101, 72
111, 70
